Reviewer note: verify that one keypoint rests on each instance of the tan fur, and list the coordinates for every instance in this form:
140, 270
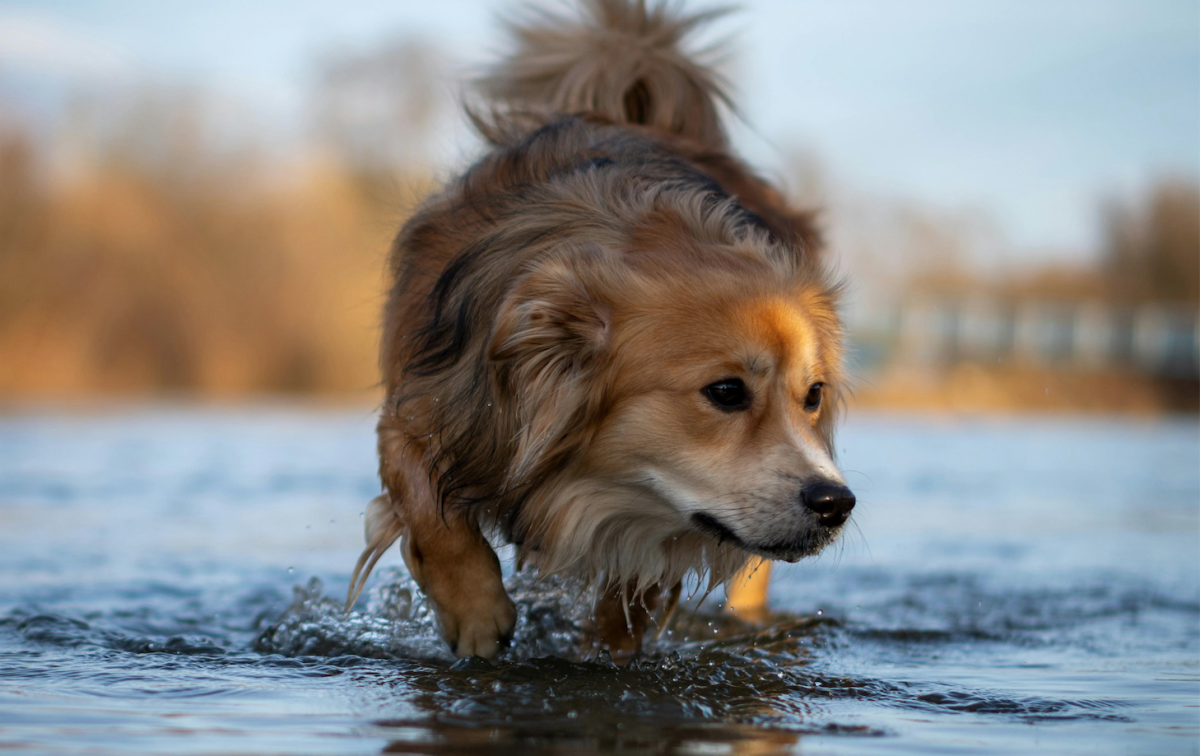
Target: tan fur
556, 315
746, 593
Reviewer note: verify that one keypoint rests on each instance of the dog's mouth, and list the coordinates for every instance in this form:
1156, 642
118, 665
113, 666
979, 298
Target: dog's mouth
793, 550
711, 526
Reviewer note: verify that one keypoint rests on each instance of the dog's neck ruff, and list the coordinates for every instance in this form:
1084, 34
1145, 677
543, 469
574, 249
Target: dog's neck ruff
619, 535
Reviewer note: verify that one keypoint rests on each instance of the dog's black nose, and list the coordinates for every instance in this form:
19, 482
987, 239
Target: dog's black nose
831, 502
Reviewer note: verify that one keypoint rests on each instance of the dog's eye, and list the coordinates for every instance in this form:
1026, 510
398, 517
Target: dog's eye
812, 399
729, 394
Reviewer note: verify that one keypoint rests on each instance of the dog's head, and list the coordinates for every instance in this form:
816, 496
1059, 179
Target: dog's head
724, 403
694, 388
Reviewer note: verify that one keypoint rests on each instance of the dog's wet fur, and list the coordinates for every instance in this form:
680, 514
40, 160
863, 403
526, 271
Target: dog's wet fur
608, 342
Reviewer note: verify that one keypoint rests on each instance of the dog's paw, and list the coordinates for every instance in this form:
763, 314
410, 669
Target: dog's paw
460, 575
481, 626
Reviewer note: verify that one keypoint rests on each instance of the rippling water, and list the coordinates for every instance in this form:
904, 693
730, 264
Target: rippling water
1012, 586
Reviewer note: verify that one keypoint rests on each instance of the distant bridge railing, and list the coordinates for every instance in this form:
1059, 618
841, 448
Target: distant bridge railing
1158, 340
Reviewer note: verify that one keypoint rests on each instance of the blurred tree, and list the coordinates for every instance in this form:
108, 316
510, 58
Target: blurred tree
1153, 250
22, 215
378, 110
165, 256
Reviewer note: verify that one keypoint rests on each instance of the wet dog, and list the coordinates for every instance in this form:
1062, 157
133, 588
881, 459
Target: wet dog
608, 342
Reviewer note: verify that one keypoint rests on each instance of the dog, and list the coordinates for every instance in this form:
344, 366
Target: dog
608, 343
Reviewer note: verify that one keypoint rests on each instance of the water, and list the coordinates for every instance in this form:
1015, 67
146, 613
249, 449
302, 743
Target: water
1012, 586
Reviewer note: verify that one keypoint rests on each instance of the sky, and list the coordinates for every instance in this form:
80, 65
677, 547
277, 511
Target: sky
1032, 112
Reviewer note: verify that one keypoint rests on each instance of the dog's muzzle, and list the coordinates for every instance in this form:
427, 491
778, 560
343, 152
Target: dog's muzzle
830, 501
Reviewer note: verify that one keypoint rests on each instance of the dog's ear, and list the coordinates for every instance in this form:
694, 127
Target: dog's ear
550, 335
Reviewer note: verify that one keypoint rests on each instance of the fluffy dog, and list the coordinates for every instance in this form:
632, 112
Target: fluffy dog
608, 343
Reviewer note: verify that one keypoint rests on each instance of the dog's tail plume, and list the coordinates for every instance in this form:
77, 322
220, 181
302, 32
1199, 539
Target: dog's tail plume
623, 60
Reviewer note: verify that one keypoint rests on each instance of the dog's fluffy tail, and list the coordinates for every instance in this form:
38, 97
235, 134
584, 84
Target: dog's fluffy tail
623, 60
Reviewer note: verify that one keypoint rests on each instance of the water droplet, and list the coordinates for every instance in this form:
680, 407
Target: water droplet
291, 570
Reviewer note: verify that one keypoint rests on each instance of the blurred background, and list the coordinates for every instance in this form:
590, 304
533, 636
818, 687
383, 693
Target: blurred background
196, 203
196, 199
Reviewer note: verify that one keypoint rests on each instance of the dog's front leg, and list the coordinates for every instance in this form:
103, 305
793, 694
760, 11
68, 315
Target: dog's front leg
620, 618
460, 574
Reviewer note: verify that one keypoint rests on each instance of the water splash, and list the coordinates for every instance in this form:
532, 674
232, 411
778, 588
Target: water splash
398, 623
706, 665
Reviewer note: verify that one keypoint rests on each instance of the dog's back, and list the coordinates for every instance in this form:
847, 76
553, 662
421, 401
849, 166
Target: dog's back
625, 63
